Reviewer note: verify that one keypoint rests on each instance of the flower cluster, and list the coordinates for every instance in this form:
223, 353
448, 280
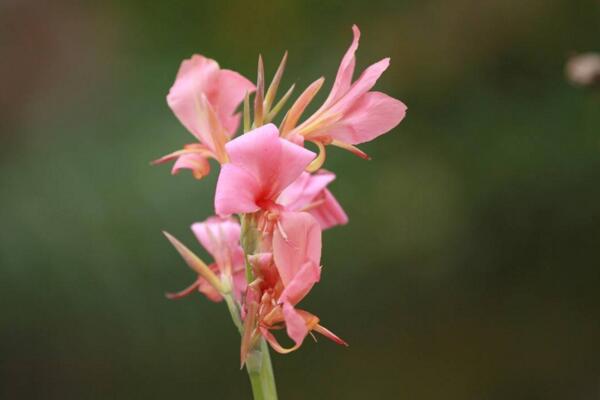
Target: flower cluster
272, 200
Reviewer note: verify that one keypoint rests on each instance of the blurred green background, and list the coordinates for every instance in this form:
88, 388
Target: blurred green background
469, 269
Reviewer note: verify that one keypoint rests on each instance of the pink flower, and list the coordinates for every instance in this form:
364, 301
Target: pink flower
352, 113
309, 193
204, 98
221, 239
261, 165
284, 279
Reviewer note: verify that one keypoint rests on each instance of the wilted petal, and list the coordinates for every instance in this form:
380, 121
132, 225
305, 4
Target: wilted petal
261, 166
299, 243
373, 114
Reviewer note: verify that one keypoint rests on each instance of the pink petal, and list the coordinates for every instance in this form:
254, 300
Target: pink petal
330, 213
362, 85
343, 78
372, 115
221, 238
237, 191
195, 162
294, 324
302, 282
299, 243
208, 290
304, 190
231, 87
196, 75
261, 166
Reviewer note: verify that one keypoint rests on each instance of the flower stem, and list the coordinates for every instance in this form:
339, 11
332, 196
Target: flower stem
260, 371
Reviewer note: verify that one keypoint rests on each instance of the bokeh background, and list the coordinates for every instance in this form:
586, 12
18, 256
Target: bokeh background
469, 269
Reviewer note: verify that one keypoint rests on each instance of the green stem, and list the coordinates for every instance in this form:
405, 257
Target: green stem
260, 371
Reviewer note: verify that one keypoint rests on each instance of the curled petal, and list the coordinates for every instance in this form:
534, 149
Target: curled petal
275, 344
195, 162
183, 293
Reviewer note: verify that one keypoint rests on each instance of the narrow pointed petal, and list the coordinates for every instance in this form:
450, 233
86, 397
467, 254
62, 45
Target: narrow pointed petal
343, 78
279, 106
352, 149
362, 85
272, 91
247, 121
295, 112
260, 93
249, 326
330, 335
372, 115
194, 262
183, 293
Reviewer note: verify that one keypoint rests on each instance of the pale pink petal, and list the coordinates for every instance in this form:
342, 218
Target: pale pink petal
362, 85
330, 213
195, 162
230, 89
208, 290
303, 191
301, 283
295, 242
221, 238
294, 324
237, 191
372, 115
261, 166
196, 75
343, 78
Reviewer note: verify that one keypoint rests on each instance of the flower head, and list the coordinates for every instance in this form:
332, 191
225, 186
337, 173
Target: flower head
205, 98
261, 165
352, 113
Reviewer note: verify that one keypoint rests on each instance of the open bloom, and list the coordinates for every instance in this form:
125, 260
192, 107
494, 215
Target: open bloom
221, 239
261, 165
205, 98
284, 279
352, 113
